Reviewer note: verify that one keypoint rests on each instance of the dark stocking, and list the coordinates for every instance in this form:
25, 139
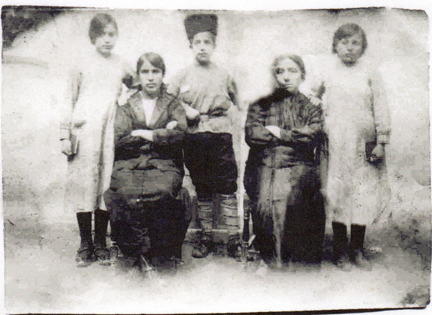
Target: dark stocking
84, 224
357, 237
340, 239
101, 225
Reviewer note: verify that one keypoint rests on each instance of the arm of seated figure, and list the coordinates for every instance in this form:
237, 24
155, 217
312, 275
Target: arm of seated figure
304, 134
172, 124
274, 130
143, 133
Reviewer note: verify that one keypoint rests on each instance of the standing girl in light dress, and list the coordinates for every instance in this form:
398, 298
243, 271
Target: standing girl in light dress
357, 123
87, 135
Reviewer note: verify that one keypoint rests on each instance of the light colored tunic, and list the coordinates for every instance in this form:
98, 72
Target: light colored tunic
93, 89
355, 112
211, 91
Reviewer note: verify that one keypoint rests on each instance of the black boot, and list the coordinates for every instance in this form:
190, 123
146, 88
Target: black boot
356, 247
204, 246
340, 246
234, 247
85, 253
101, 224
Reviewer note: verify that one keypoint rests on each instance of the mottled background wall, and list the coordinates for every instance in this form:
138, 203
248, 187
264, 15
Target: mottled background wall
41, 238
36, 64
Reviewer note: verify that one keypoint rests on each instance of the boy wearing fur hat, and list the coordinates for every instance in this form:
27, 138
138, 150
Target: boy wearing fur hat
207, 93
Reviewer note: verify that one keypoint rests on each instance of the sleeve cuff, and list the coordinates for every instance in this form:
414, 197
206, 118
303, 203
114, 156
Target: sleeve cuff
383, 138
64, 133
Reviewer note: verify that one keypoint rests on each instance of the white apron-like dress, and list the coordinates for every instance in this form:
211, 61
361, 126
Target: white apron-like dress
94, 88
355, 112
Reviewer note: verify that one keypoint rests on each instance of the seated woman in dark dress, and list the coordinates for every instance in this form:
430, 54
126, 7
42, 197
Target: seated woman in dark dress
147, 222
281, 180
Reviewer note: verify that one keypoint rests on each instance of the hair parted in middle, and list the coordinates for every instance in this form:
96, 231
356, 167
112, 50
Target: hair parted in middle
154, 59
297, 59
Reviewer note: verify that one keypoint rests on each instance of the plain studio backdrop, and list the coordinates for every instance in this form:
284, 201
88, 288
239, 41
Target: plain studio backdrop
36, 66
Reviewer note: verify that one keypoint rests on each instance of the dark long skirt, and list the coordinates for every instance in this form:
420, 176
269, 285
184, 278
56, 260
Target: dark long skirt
289, 215
146, 218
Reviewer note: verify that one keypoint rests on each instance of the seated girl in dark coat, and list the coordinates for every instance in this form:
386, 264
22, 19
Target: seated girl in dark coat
146, 219
282, 131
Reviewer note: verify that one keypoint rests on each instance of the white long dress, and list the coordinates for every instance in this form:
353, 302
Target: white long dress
355, 112
94, 87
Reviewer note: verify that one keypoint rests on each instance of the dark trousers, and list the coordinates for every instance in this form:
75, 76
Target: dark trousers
211, 162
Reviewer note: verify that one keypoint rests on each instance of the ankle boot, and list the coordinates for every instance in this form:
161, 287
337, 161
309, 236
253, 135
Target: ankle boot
356, 247
101, 224
205, 245
85, 253
340, 246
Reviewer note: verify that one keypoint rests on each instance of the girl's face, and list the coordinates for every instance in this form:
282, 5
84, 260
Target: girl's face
151, 79
288, 75
106, 41
349, 49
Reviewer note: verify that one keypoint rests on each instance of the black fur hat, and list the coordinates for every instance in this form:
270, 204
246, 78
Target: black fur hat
198, 23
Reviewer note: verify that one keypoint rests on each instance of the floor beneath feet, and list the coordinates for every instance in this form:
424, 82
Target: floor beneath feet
41, 277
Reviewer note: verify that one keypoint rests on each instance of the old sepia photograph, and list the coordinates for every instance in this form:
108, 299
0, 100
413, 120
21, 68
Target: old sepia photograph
203, 160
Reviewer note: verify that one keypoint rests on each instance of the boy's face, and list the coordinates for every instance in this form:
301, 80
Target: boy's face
203, 46
105, 42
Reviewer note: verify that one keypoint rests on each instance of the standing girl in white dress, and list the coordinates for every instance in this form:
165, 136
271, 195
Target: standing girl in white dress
87, 135
357, 123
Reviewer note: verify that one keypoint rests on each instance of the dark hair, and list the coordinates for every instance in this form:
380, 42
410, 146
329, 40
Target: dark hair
348, 30
98, 24
155, 60
297, 59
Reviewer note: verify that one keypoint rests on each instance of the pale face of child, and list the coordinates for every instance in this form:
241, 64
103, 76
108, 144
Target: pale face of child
288, 75
349, 49
106, 41
151, 79
203, 46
